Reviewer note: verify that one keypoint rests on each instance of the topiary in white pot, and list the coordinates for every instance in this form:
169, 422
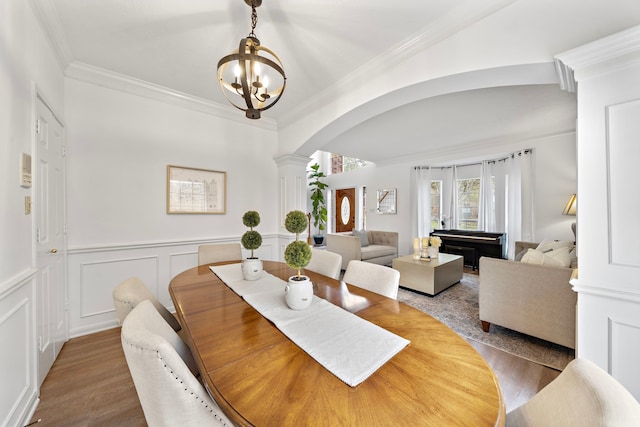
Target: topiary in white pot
251, 240
299, 290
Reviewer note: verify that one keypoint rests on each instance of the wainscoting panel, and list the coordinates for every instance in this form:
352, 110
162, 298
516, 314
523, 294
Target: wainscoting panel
624, 345
623, 152
95, 271
100, 277
182, 261
609, 332
18, 366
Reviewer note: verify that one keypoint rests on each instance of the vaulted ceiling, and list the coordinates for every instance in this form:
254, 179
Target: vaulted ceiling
177, 44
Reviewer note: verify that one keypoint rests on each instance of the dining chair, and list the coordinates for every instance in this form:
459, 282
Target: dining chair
208, 254
376, 278
159, 360
128, 294
325, 262
582, 395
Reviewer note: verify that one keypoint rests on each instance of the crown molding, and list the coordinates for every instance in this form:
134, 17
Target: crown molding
498, 144
602, 56
566, 80
47, 14
120, 82
461, 17
292, 160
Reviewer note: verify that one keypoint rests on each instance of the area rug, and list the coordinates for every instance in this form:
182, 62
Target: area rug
457, 307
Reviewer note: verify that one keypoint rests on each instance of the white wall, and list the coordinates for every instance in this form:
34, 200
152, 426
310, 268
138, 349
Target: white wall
119, 146
25, 60
555, 181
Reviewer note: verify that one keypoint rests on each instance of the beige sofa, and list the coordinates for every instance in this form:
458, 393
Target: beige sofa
382, 248
536, 300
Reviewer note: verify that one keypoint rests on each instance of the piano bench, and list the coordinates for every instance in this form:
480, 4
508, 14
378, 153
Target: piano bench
466, 253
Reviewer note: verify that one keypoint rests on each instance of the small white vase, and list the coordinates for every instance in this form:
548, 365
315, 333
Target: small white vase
251, 269
433, 251
298, 293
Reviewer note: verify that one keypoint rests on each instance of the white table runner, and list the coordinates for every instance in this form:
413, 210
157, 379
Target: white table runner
348, 346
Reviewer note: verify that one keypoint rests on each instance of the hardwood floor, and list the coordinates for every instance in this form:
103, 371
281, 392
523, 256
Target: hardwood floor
89, 384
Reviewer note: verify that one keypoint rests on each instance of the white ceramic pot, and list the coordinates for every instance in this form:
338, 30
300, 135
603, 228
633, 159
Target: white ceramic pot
251, 269
433, 251
298, 293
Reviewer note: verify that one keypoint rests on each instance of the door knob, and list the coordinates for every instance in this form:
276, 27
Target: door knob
54, 251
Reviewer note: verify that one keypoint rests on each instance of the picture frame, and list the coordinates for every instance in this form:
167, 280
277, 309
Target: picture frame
196, 191
386, 201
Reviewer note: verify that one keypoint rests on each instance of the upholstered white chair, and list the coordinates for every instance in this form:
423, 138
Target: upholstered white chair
325, 262
582, 395
132, 292
159, 361
376, 278
208, 254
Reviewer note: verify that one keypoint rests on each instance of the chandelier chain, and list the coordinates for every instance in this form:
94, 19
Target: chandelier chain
254, 20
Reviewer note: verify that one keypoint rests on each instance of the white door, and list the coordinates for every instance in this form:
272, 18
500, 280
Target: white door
50, 234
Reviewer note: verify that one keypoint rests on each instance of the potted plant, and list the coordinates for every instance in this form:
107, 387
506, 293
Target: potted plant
251, 240
299, 290
318, 203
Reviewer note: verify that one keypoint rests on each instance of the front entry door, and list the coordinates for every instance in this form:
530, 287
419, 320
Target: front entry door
48, 208
345, 209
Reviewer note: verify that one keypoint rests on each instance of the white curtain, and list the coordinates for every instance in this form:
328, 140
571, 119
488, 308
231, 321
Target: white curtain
500, 175
421, 209
507, 205
487, 211
520, 200
453, 209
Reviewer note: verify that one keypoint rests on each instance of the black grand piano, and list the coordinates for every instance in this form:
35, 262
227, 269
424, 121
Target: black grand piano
472, 244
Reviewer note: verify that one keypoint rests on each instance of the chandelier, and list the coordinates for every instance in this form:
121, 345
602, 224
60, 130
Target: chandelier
252, 78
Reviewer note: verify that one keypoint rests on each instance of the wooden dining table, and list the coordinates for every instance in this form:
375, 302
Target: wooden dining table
259, 377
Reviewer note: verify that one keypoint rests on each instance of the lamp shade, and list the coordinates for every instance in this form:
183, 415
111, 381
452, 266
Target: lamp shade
570, 208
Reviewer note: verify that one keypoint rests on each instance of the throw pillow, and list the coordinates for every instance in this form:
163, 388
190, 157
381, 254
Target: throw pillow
547, 245
573, 256
555, 258
520, 254
362, 234
533, 256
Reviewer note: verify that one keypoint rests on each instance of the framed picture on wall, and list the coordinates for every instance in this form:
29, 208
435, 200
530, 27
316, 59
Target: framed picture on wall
386, 204
196, 191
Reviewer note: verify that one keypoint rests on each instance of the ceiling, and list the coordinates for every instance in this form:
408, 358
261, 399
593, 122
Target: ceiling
176, 44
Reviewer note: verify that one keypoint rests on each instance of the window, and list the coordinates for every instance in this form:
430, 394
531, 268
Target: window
436, 204
468, 203
340, 163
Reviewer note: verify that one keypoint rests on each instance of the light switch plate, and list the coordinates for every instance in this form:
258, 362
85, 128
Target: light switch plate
25, 170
